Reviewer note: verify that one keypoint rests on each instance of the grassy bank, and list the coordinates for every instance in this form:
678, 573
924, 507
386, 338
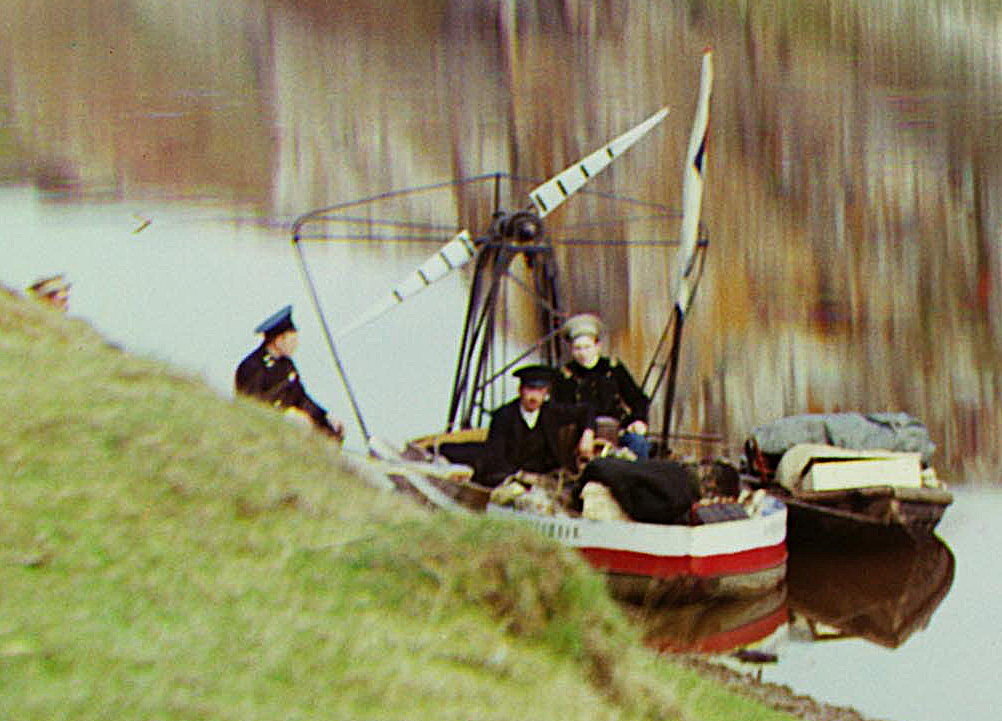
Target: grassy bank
169, 554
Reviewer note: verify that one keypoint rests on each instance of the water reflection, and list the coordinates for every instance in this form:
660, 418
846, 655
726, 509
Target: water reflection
853, 177
881, 595
718, 627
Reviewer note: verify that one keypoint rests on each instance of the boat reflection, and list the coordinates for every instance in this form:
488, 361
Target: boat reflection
714, 627
881, 594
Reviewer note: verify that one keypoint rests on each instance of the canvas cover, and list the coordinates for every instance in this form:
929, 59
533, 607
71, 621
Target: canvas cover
652, 491
884, 431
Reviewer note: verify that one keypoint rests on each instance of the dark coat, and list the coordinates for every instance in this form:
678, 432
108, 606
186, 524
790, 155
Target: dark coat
608, 387
657, 491
513, 446
275, 381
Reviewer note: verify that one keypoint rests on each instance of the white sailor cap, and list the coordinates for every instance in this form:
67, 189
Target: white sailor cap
583, 324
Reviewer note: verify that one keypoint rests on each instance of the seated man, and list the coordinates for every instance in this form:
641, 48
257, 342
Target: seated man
525, 433
603, 382
269, 374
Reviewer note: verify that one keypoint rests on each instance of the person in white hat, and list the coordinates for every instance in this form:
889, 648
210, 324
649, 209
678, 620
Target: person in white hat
604, 383
268, 374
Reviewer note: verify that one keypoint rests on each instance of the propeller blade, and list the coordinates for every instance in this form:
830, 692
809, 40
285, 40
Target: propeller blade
461, 249
556, 190
454, 254
692, 186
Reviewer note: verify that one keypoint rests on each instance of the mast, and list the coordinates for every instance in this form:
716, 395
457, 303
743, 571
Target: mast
692, 199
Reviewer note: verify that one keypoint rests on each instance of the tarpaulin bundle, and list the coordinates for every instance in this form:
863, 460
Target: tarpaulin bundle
651, 491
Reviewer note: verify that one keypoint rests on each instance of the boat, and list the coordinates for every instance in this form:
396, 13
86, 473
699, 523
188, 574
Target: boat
741, 556
861, 479
883, 594
737, 555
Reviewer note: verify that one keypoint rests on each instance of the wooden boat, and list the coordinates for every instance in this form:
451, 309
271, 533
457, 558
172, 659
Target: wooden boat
854, 495
865, 515
647, 561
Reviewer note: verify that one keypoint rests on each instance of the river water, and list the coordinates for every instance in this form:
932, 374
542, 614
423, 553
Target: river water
852, 171
189, 288
944, 671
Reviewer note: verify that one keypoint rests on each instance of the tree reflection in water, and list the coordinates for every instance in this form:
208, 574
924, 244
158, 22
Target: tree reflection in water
853, 189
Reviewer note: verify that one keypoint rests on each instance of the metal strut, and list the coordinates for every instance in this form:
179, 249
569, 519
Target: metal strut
330, 339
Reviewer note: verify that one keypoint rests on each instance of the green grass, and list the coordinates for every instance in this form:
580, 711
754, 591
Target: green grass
169, 554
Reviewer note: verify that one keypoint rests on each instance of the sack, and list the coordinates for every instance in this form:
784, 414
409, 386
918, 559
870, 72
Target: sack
651, 491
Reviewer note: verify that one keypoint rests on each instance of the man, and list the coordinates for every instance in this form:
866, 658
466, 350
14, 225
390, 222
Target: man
529, 433
604, 383
53, 291
269, 374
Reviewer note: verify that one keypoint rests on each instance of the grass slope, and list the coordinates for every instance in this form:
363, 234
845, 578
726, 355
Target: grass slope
169, 554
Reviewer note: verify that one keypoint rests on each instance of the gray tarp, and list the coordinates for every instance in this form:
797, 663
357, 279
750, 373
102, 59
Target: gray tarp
886, 431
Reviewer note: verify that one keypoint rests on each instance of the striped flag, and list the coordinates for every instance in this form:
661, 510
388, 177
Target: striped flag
692, 187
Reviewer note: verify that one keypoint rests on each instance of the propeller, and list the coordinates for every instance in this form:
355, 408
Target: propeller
546, 197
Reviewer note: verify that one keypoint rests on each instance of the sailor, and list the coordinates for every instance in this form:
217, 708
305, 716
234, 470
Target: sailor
52, 290
269, 374
604, 383
530, 433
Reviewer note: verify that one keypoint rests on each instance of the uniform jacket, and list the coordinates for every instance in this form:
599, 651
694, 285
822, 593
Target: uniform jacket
508, 435
608, 387
275, 381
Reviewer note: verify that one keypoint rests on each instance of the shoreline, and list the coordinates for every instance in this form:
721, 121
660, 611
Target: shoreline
776, 696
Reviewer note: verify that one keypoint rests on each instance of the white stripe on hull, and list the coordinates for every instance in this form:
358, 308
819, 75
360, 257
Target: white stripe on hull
711, 539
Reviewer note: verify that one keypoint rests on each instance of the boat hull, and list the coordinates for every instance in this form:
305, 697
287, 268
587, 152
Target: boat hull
658, 564
648, 563
865, 516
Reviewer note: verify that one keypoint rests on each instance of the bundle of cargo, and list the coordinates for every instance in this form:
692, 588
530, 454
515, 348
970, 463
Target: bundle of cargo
850, 477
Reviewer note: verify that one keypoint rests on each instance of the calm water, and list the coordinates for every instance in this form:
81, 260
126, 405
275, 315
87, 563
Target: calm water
190, 287
853, 174
905, 633
945, 671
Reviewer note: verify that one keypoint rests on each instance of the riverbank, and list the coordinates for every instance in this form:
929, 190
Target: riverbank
172, 554
775, 696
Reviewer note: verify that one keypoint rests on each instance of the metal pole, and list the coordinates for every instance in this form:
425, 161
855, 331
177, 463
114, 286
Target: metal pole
330, 338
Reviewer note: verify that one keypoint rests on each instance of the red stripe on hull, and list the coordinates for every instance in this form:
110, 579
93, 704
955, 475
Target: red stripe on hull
645, 564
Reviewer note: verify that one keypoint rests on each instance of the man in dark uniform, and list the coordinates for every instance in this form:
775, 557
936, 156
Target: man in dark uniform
269, 374
526, 433
603, 382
